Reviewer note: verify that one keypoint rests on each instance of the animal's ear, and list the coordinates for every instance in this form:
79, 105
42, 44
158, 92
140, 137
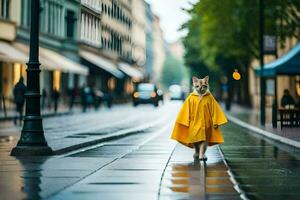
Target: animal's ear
195, 79
206, 79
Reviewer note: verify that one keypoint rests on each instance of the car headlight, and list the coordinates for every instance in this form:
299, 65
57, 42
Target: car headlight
136, 95
153, 94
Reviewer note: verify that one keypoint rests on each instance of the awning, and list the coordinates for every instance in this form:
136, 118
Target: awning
288, 64
9, 53
67, 64
50, 60
130, 71
102, 63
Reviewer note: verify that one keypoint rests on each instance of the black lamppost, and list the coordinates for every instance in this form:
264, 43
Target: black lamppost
32, 140
262, 78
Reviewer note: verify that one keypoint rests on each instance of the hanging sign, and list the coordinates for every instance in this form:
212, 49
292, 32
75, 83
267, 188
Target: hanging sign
270, 45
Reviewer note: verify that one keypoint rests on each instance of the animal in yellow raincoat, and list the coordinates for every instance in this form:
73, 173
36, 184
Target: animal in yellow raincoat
197, 119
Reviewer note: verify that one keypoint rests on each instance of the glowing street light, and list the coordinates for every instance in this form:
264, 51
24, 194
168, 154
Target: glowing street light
236, 75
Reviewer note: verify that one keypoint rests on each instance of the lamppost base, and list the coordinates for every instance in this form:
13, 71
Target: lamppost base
31, 151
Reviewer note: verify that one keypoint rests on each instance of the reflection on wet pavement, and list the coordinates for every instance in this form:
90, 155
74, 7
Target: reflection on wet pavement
185, 178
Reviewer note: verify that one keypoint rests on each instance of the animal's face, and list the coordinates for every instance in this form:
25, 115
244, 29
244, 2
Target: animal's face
201, 85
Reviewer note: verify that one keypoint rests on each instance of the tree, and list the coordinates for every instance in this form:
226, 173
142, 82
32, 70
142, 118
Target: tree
172, 72
224, 35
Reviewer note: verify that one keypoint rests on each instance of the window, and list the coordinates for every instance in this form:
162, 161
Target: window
82, 26
109, 11
70, 22
25, 13
118, 13
4, 9
50, 19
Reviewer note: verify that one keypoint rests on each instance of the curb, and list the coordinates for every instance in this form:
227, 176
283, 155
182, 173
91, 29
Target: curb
232, 178
93, 142
267, 134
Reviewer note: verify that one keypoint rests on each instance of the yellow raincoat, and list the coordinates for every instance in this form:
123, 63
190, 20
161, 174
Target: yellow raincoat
195, 121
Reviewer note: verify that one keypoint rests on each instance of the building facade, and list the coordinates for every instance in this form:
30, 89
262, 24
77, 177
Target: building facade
106, 46
158, 50
58, 45
59, 36
138, 31
116, 26
11, 68
149, 42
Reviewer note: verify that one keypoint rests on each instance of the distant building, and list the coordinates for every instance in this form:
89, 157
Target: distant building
103, 72
138, 31
116, 26
158, 49
177, 49
106, 45
149, 61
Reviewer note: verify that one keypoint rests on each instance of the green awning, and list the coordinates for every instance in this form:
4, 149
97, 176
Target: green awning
288, 64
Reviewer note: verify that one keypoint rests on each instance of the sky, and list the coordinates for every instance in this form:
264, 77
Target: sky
171, 16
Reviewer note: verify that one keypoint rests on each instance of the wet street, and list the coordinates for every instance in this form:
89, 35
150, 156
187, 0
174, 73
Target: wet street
263, 169
133, 158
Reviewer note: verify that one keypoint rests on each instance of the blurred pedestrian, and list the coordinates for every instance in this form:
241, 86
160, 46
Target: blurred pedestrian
287, 100
98, 94
19, 99
44, 98
73, 93
55, 97
226, 93
87, 97
298, 102
109, 99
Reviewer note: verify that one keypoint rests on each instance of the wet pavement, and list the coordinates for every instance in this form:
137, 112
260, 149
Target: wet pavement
264, 169
65, 133
185, 178
147, 164
156, 169
41, 177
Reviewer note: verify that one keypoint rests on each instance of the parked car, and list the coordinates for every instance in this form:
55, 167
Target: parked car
145, 93
176, 92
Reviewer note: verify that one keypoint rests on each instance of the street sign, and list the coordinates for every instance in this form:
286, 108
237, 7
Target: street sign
270, 45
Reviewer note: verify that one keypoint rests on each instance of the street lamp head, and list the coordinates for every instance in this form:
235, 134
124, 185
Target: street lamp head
236, 75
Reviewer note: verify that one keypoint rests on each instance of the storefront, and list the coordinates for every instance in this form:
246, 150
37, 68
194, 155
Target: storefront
133, 76
57, 71
283, 73
104, 74
12, 67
